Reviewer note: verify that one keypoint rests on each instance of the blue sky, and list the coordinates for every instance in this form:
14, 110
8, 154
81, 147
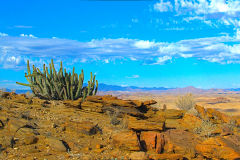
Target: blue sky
162, 43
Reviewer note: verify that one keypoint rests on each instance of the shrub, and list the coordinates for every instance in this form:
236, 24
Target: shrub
206, 129
185, 102
53, 85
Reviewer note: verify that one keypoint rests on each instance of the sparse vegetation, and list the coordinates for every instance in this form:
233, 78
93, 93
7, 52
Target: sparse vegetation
206, 128
1, 92
185, 102
50, 84
29, 95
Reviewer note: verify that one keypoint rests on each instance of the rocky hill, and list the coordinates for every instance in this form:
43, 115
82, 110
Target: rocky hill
105, 127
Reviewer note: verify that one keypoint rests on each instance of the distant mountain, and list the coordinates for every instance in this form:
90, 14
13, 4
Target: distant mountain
106, 88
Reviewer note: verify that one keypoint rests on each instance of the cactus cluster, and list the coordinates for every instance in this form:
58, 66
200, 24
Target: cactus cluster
53, 85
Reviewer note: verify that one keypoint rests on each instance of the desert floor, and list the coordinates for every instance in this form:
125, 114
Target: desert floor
227, 103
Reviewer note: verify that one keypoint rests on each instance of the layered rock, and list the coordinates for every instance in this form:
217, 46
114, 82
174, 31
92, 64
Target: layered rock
68, 129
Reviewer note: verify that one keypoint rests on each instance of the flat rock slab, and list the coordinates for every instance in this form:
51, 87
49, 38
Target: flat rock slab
144, 125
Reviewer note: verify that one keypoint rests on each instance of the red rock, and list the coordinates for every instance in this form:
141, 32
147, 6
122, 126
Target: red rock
154, 141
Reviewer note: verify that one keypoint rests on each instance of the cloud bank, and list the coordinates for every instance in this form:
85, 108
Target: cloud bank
15, 51
211, 12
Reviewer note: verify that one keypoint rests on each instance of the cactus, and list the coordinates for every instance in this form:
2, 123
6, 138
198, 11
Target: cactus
53, 85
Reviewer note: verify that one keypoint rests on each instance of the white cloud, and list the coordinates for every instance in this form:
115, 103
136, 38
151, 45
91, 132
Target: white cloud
238, 34
3, 34
134, 76
163, 6
15, 51
210, 12
144, 44
22, 26
163, 60
27, 35
134, 20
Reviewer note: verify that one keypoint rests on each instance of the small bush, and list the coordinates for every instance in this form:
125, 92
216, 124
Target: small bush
185, 102
206, 128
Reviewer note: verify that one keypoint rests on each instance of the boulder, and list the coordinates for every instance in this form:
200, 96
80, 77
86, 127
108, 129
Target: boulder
172, 124
152, 141
216, 116
201, 111
189, 122
144, 125
84, 127
92, 106
180, 142
220, 148
55, 144
171, 113
75, 103
126, 140
149, 102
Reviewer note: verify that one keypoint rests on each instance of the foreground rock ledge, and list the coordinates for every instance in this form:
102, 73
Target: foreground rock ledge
105, 127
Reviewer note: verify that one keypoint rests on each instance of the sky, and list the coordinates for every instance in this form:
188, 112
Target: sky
152, 43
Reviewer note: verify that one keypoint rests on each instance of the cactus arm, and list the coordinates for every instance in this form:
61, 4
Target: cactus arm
23, 84
95, 92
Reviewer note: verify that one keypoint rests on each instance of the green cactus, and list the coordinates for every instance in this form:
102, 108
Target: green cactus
50, 84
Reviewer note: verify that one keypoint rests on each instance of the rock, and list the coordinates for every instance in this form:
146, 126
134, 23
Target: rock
144, 125
123, 110
166, 156
126, 140
37, 101
217, 117
108, 97
172, 124
180, 142
152, 141
85, 127
189, 122
75, 103
15, 124
92, 106
21, 98
30, 140
201, 111
1, 124
25, 136
171, 113
220, 148
95, 99
149, 102
56, 145
119, 102
138, 156
137, 103
99, 146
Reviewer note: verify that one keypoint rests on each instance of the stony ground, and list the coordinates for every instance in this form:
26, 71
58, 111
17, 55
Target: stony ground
104, 127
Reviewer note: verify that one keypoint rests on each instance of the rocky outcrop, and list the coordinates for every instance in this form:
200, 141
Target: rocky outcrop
108, 127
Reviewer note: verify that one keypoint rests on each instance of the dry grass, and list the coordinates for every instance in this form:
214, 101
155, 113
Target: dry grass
185, 102
206, 128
